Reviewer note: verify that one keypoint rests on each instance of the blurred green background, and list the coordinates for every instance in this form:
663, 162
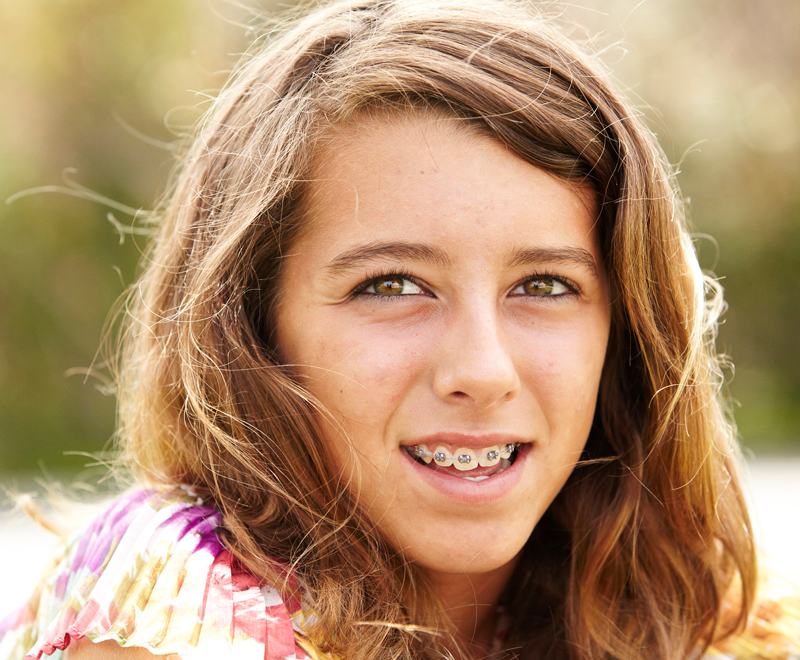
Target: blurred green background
96, 91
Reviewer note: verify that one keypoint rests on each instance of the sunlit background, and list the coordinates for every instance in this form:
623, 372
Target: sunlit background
95, 93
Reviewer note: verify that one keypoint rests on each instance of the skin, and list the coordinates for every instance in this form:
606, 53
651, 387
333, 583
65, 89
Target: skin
461, 343
85, 649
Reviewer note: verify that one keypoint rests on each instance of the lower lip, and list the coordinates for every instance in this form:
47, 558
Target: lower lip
473, 492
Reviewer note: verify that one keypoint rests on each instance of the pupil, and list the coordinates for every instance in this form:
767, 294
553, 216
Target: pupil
389, 286
540, 286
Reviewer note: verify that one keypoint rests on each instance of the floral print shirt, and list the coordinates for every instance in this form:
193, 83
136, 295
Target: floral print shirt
152, 573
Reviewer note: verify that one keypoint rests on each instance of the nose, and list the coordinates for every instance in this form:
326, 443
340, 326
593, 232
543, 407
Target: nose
475, 364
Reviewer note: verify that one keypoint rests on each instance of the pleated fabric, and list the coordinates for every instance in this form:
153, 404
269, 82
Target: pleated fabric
151, 572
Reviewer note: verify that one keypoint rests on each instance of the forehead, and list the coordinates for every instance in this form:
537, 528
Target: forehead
412, 170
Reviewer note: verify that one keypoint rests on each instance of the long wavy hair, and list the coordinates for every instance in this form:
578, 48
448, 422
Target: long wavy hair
649, 541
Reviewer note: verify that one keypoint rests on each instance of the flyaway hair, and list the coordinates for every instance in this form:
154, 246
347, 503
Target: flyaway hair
648, 542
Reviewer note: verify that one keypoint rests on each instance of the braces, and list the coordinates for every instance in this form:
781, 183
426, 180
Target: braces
464, 458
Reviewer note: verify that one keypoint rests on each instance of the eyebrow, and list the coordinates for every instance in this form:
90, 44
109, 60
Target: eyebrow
403, 251
566, 255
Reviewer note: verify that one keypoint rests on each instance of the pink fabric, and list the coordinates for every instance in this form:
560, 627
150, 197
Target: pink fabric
152, 572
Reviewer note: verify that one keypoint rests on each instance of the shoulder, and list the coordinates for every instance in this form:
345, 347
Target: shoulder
83, 649
152, 573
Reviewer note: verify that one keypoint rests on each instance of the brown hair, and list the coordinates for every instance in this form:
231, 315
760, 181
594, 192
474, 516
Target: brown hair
640, 550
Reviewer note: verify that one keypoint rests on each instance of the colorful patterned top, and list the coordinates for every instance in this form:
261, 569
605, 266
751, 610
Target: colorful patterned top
152, 573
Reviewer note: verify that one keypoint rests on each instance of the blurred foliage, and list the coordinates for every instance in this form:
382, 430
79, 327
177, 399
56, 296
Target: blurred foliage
97, 90
720, 81
94, 91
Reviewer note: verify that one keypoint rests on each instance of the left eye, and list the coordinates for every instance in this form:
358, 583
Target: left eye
542, 286
391, 285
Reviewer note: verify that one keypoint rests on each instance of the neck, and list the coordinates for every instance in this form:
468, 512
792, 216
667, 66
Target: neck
470, 602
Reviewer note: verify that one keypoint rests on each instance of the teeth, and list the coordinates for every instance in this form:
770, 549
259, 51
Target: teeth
423, 453
465, 459
489, 458
474, 478
442, 458
507, 450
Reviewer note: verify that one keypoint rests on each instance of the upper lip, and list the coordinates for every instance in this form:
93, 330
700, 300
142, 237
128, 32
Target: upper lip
467, 440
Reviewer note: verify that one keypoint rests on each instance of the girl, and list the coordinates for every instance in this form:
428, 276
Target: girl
420, 365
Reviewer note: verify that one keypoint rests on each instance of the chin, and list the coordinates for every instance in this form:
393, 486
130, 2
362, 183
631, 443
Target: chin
468, 551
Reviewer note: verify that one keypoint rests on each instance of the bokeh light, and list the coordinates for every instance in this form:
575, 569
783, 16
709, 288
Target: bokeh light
99, 92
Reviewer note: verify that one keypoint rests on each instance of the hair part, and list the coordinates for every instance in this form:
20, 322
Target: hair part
651, 532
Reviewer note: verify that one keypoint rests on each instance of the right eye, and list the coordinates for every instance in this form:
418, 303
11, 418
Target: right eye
390, 286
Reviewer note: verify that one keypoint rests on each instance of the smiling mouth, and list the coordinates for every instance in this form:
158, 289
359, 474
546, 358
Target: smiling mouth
470, 464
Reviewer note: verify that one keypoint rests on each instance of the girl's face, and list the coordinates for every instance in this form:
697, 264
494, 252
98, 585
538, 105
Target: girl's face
446, 303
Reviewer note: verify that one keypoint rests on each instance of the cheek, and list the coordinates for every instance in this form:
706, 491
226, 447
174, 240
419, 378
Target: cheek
362, 375
562, 367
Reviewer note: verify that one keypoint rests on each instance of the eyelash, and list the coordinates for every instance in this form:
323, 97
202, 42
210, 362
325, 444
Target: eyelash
572, 287
401, 273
